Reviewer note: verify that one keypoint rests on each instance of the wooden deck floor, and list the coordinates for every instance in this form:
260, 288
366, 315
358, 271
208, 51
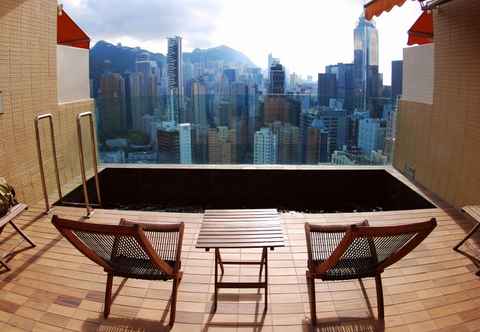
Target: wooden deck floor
53, 288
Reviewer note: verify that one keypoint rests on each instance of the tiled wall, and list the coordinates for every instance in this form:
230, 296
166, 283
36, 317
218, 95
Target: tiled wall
442, 142
28, 81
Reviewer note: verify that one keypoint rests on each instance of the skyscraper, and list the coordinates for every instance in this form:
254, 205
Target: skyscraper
365, 57
185, 141
397, 78
345, 83
371, 135
327, 88
199, 96
175, 78
112, 105
277, 79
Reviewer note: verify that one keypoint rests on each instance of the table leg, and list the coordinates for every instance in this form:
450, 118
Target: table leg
216, 282
265, 254
220, 262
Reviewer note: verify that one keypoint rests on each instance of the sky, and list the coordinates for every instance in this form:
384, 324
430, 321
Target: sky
306, 35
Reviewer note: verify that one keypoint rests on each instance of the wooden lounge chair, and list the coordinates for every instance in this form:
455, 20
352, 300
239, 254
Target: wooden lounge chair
358, 251
9, 218
129, 250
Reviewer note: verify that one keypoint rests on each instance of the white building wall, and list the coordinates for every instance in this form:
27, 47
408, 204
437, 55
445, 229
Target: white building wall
418, 74
73, 70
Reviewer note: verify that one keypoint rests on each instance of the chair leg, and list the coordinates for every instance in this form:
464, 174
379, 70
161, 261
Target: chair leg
22, 234
378, 286
173, 299
4, 265
313, 301
469, 235
108, 295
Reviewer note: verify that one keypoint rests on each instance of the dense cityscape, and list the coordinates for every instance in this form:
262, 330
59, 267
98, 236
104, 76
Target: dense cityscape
218, 110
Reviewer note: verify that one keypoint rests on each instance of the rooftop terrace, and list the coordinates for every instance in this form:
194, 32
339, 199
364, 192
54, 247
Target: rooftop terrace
54, 288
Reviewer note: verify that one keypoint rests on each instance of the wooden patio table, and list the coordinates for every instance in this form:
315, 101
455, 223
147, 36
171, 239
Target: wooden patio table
241, 229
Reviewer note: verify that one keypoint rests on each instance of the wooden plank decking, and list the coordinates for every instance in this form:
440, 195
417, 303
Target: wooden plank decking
54, 288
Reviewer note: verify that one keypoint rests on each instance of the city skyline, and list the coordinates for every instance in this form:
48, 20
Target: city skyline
305, 44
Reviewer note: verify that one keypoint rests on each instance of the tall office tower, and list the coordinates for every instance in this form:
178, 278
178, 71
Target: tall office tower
271, 62
136, 102
175, 78
199, 96
365, 57
316, 143
277, 79
265, 147
168, 142
345, 83
253, 118
288, 143
112, 106
239, 122
335, 122
327, 88
371, 135
185, 142
221, 145
282, 108
397, 78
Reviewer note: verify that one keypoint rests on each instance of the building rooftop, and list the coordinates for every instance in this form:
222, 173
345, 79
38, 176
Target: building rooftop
55, 288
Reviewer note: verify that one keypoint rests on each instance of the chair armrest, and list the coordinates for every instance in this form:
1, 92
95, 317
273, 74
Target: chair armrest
153, 226
335, 228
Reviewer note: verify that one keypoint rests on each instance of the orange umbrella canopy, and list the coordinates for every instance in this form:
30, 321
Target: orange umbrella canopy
377, 7
69, 33
422, 30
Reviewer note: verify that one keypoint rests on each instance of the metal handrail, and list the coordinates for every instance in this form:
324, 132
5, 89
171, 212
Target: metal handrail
40, 158
82, 160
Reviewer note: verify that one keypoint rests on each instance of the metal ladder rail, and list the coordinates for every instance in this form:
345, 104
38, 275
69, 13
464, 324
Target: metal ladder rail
39, 117
82, 160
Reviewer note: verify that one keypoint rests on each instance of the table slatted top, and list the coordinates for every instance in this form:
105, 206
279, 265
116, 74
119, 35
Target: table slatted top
241, 229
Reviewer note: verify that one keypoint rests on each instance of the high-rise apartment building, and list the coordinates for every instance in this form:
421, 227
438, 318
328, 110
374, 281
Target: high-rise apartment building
185, 142
175, 78
168, 143
265, 147
288, 143
282, 108
277, 79
221, 145
371, 135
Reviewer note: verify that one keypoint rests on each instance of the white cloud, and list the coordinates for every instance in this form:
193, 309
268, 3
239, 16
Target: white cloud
306, 35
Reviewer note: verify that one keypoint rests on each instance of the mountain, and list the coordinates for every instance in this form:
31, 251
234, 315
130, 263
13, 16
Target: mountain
220, 53
122, 58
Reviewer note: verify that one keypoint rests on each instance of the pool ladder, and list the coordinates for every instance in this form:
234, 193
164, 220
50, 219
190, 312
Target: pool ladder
88, 205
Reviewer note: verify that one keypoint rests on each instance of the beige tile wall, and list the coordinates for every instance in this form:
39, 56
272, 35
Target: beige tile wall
29, 87
442, 142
